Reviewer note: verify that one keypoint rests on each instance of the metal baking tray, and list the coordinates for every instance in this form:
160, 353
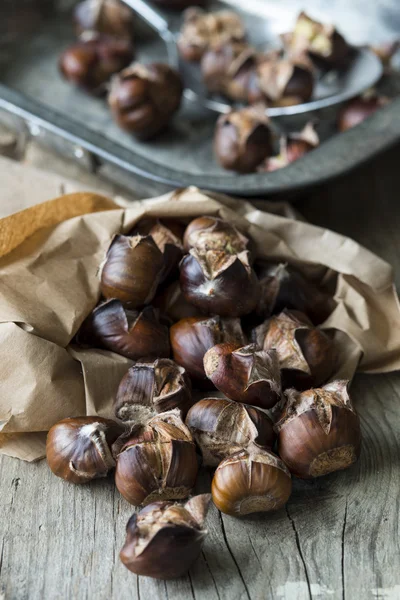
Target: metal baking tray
31, 88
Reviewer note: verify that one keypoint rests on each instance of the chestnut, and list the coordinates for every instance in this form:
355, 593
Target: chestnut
201, 30
110, 17
79, 449
156, 461
243, 139
221, 427
319, 431
144, 98
321, 42
132, 270
220, 62
292, 147
283, 286
252, 480
173, 305
164, 538
212, 233
241, 81
245, 374
193, 336
90, 62
215, 280
306, 354
168, 238
284, 82
149, 388
360, 108
125, 332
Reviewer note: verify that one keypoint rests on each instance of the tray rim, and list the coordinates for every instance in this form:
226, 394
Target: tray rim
378, 133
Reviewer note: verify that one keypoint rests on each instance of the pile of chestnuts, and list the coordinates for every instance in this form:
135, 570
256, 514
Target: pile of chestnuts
143, 98
231, 371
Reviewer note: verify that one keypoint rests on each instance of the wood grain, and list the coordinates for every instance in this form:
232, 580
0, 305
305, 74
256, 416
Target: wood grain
337, 539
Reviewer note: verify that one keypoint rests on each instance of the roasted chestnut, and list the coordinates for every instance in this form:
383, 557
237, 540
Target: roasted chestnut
111, 17
253, 480
319, 431
357, 110
211, 233
306, 354
79, 449
132, 270
152, 387
126, 332
168, 238
243, 139
283, 286
215, 280
221, 62
245, 374
284, 82
143, 98
192, 337
156, 461
241, 82
321, 42
173, 305
201, 30
222, 427
164, 538
292, 147
90, 62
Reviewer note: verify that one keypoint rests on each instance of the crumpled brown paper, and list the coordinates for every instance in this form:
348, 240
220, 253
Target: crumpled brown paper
49, 255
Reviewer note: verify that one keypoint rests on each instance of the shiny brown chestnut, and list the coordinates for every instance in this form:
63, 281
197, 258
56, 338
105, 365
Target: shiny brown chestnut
156, 461
284, 82
306, 354
246, 374
284, 286
173, 305
110, 17
212, 233
164, 538
126, 332
321, 42
79, 449
201, 30
221, 427
144, 98
250, 481
243, 139
152, 387
220, 63
168, 236
215, 281
319, 431
192, 337
292, 147
357, 110
91, 62
132, 270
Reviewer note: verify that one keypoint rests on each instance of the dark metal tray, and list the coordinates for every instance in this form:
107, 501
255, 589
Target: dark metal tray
31, 87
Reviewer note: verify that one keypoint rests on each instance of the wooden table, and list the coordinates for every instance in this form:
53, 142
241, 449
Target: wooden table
338, 537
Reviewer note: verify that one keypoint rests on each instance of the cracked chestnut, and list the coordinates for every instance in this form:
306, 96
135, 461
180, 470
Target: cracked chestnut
132, 270
284, 82
152, 387
292, 147
144, 98
91, 62
110, 17
165, 538
250, 481
306, 354
221, 427
243, 139
212, 233
79, 449
246, 374
126, 332
192, 337
156, 461
319, 431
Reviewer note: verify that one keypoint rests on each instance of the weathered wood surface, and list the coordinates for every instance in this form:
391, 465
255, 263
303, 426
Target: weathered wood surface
338, 537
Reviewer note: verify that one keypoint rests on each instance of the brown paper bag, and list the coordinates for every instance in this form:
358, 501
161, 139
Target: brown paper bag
49, 256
